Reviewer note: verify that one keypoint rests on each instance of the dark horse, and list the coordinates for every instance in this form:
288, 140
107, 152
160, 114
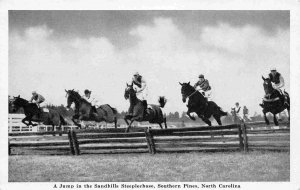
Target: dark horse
33, 113
153, 115
274, 101
198, 103
84, 111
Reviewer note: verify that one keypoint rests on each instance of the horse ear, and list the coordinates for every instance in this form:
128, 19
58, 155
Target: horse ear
180, 83
18, 96
66, 90
263, 77
189, 83
127, 84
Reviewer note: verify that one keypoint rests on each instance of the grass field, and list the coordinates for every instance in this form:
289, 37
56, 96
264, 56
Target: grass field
175, 167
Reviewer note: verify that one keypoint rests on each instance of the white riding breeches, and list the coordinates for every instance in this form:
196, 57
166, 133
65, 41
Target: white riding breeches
207, 94
143, 95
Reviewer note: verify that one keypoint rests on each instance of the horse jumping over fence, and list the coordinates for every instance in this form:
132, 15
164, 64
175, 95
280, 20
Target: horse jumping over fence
198, 103
84, 110
153, 115
275, 102
33, 113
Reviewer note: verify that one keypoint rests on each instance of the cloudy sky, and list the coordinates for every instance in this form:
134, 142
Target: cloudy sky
50, 51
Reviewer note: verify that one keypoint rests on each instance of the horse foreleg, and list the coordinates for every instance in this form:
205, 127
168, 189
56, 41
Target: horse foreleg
189, 114
128, 127
266, 119
73, 119
126, 118
53, 129
206, 120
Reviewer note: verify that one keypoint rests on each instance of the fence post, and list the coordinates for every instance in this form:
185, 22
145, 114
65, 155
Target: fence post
71, 142
147, 134
9, 149
151, 141
244, 129
240, 137
75, 143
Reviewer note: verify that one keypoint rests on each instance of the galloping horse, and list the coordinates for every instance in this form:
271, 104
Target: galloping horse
274, 102
197, 103
84, 110
33, 113
153, 115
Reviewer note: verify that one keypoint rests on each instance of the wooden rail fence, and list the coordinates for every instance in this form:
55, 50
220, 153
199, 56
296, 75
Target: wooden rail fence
241, 137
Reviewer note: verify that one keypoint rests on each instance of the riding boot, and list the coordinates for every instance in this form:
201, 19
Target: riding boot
94, 109
285, 102
145, 107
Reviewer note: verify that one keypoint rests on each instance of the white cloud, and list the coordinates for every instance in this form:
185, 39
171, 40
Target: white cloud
232, 58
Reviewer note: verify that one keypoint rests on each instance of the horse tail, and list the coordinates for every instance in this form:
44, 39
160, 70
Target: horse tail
222, 113
62, 120
162, 101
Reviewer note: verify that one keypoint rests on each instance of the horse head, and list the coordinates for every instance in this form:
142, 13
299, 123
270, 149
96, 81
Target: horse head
18, 102
129, 91
268, 85
72, 96
186, 90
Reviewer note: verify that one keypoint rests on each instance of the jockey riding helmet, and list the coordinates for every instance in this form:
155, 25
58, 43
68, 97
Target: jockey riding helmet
87, 91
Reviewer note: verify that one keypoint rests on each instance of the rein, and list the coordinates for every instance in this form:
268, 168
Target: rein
192, 94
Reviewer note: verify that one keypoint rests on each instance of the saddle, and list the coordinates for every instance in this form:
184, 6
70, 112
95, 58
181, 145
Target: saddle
276, 96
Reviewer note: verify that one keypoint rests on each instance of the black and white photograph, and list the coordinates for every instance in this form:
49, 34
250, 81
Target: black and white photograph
152, 97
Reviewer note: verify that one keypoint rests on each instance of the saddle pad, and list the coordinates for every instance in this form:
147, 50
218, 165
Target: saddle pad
149, 107
45, 110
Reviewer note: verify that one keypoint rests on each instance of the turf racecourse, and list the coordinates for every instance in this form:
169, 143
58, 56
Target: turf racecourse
176, 167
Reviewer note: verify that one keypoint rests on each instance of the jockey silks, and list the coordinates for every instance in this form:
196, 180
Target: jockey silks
138, 81
204, 85
276, 78
38, 98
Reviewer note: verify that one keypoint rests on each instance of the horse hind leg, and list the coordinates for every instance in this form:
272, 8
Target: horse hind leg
115, 122
165, 122
218, 119
160, 125
275, 120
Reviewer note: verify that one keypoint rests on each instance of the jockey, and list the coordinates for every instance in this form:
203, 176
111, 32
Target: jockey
237, 110
140, 86
202, 85
277, 83
91, 100
246, 114
276, 79
37, 99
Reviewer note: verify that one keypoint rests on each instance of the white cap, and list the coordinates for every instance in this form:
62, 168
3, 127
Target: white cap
273, 69
136, 73
33, 92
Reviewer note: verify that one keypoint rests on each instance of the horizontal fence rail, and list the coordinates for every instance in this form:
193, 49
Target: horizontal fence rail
260, 136
237, 137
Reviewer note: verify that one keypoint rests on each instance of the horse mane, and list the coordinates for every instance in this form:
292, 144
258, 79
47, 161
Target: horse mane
22, 99
268, 85
77, 96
